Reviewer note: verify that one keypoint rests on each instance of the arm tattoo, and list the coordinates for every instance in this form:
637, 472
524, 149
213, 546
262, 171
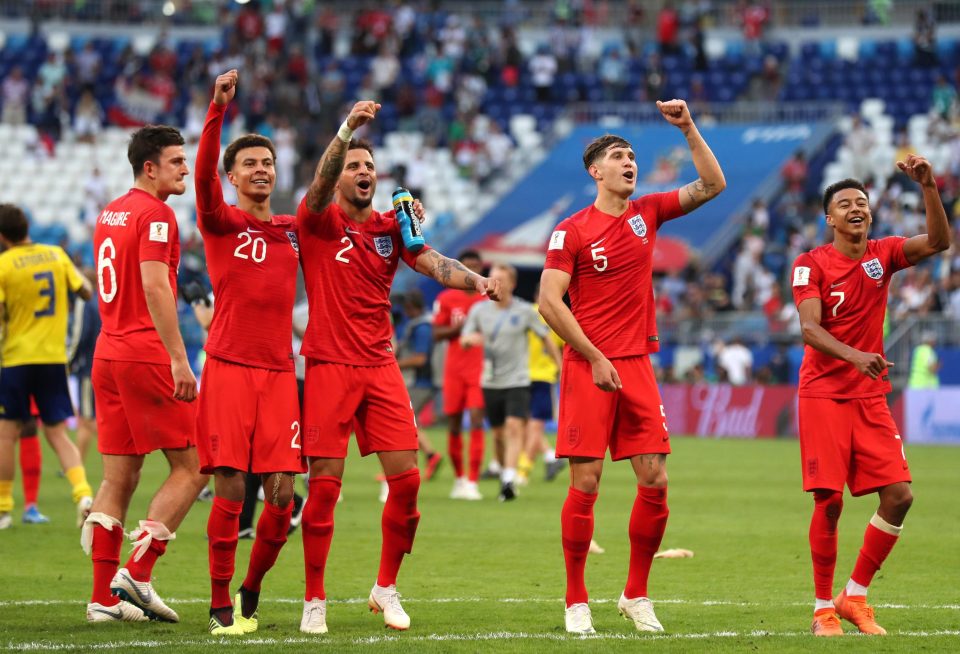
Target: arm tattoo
699, 191
444, 269
328, 172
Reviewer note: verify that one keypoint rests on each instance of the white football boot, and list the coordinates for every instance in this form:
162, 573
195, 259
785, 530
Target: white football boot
142, 595
314, 620
578, 620
121, 612
640, 610
387, 601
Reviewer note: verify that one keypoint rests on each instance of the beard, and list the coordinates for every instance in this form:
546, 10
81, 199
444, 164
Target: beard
360, 203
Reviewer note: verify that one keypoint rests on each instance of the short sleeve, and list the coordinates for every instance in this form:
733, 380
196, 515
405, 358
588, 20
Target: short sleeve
157, 233
312, 221
563, 248
74, 278
536, 325
422, 340
893, 246
441, 312
472, 323
805, 279
667, 205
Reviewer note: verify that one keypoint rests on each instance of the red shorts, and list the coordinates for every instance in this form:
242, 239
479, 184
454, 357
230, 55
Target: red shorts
461, 393
248, 419
851, 441
629, 421
372, 401
136, 412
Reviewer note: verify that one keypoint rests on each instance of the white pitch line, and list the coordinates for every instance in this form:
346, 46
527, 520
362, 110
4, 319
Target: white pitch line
480, 600
431, 638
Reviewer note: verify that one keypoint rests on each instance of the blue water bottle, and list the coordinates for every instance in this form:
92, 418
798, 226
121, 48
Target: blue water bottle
409, 225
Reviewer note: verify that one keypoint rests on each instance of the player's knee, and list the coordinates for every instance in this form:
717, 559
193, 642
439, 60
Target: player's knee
831, 502
901, 501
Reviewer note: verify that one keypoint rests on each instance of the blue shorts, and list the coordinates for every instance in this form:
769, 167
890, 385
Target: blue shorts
541, 401
46, 382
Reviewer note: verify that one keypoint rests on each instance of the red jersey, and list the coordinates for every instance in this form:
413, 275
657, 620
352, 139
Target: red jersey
450, 309
135, 227
853, 293
253, 268
610, 262
348, 268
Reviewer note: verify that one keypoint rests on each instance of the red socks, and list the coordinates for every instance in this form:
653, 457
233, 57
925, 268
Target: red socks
105, 554
648, 521
823, 540
31, 459
271, 535
142, 569
317, 529
576, 528
222, 529
398, 524
876, 546
476, 453
455, 448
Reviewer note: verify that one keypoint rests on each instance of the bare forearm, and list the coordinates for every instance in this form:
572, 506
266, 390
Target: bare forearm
938, 228
163, 311
412, 361
711, 181
562, 321
443, 332
449, 272
820, 339
328, 172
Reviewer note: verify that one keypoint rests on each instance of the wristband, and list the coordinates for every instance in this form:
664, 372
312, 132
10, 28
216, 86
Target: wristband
344, 133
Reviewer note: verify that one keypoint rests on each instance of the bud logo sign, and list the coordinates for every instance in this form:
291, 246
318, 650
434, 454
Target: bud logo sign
733, 411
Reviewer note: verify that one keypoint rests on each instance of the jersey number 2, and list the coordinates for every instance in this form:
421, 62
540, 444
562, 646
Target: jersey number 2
295, 441
340, 257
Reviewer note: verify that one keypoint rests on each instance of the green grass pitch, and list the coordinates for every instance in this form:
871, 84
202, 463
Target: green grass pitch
485, 575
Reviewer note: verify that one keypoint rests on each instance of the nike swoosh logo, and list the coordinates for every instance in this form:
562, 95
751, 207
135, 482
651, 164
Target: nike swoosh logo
255, 231
352, 231
145, 598
837, 284
117, 615
593, 245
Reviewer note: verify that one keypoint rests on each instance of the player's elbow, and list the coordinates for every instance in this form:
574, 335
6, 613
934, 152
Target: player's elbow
808, 330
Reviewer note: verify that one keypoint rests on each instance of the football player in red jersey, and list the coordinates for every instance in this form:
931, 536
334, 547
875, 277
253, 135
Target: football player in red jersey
847, 435
142, 380
350, 255
248, 419
608, 395
461, 381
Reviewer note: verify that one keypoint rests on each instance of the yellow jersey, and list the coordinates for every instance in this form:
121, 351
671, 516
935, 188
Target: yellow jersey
542, 366
34, 280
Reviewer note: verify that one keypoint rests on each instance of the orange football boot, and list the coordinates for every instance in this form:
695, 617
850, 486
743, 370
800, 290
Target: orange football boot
856, 610
826, 623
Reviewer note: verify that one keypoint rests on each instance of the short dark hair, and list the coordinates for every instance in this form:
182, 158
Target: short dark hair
836, 187
244, 142
148, 142
360, 144
469, 254
13, 223
600, 145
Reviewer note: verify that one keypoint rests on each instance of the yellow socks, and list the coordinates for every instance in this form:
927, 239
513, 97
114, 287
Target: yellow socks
77, 477
6, 496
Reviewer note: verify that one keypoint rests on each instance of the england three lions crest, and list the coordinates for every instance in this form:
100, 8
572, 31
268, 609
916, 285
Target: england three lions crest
873, 268
384, 245
294, 243
638, 226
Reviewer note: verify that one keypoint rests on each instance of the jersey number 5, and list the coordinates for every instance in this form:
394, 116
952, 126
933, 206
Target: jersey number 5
601, 259
837, 305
